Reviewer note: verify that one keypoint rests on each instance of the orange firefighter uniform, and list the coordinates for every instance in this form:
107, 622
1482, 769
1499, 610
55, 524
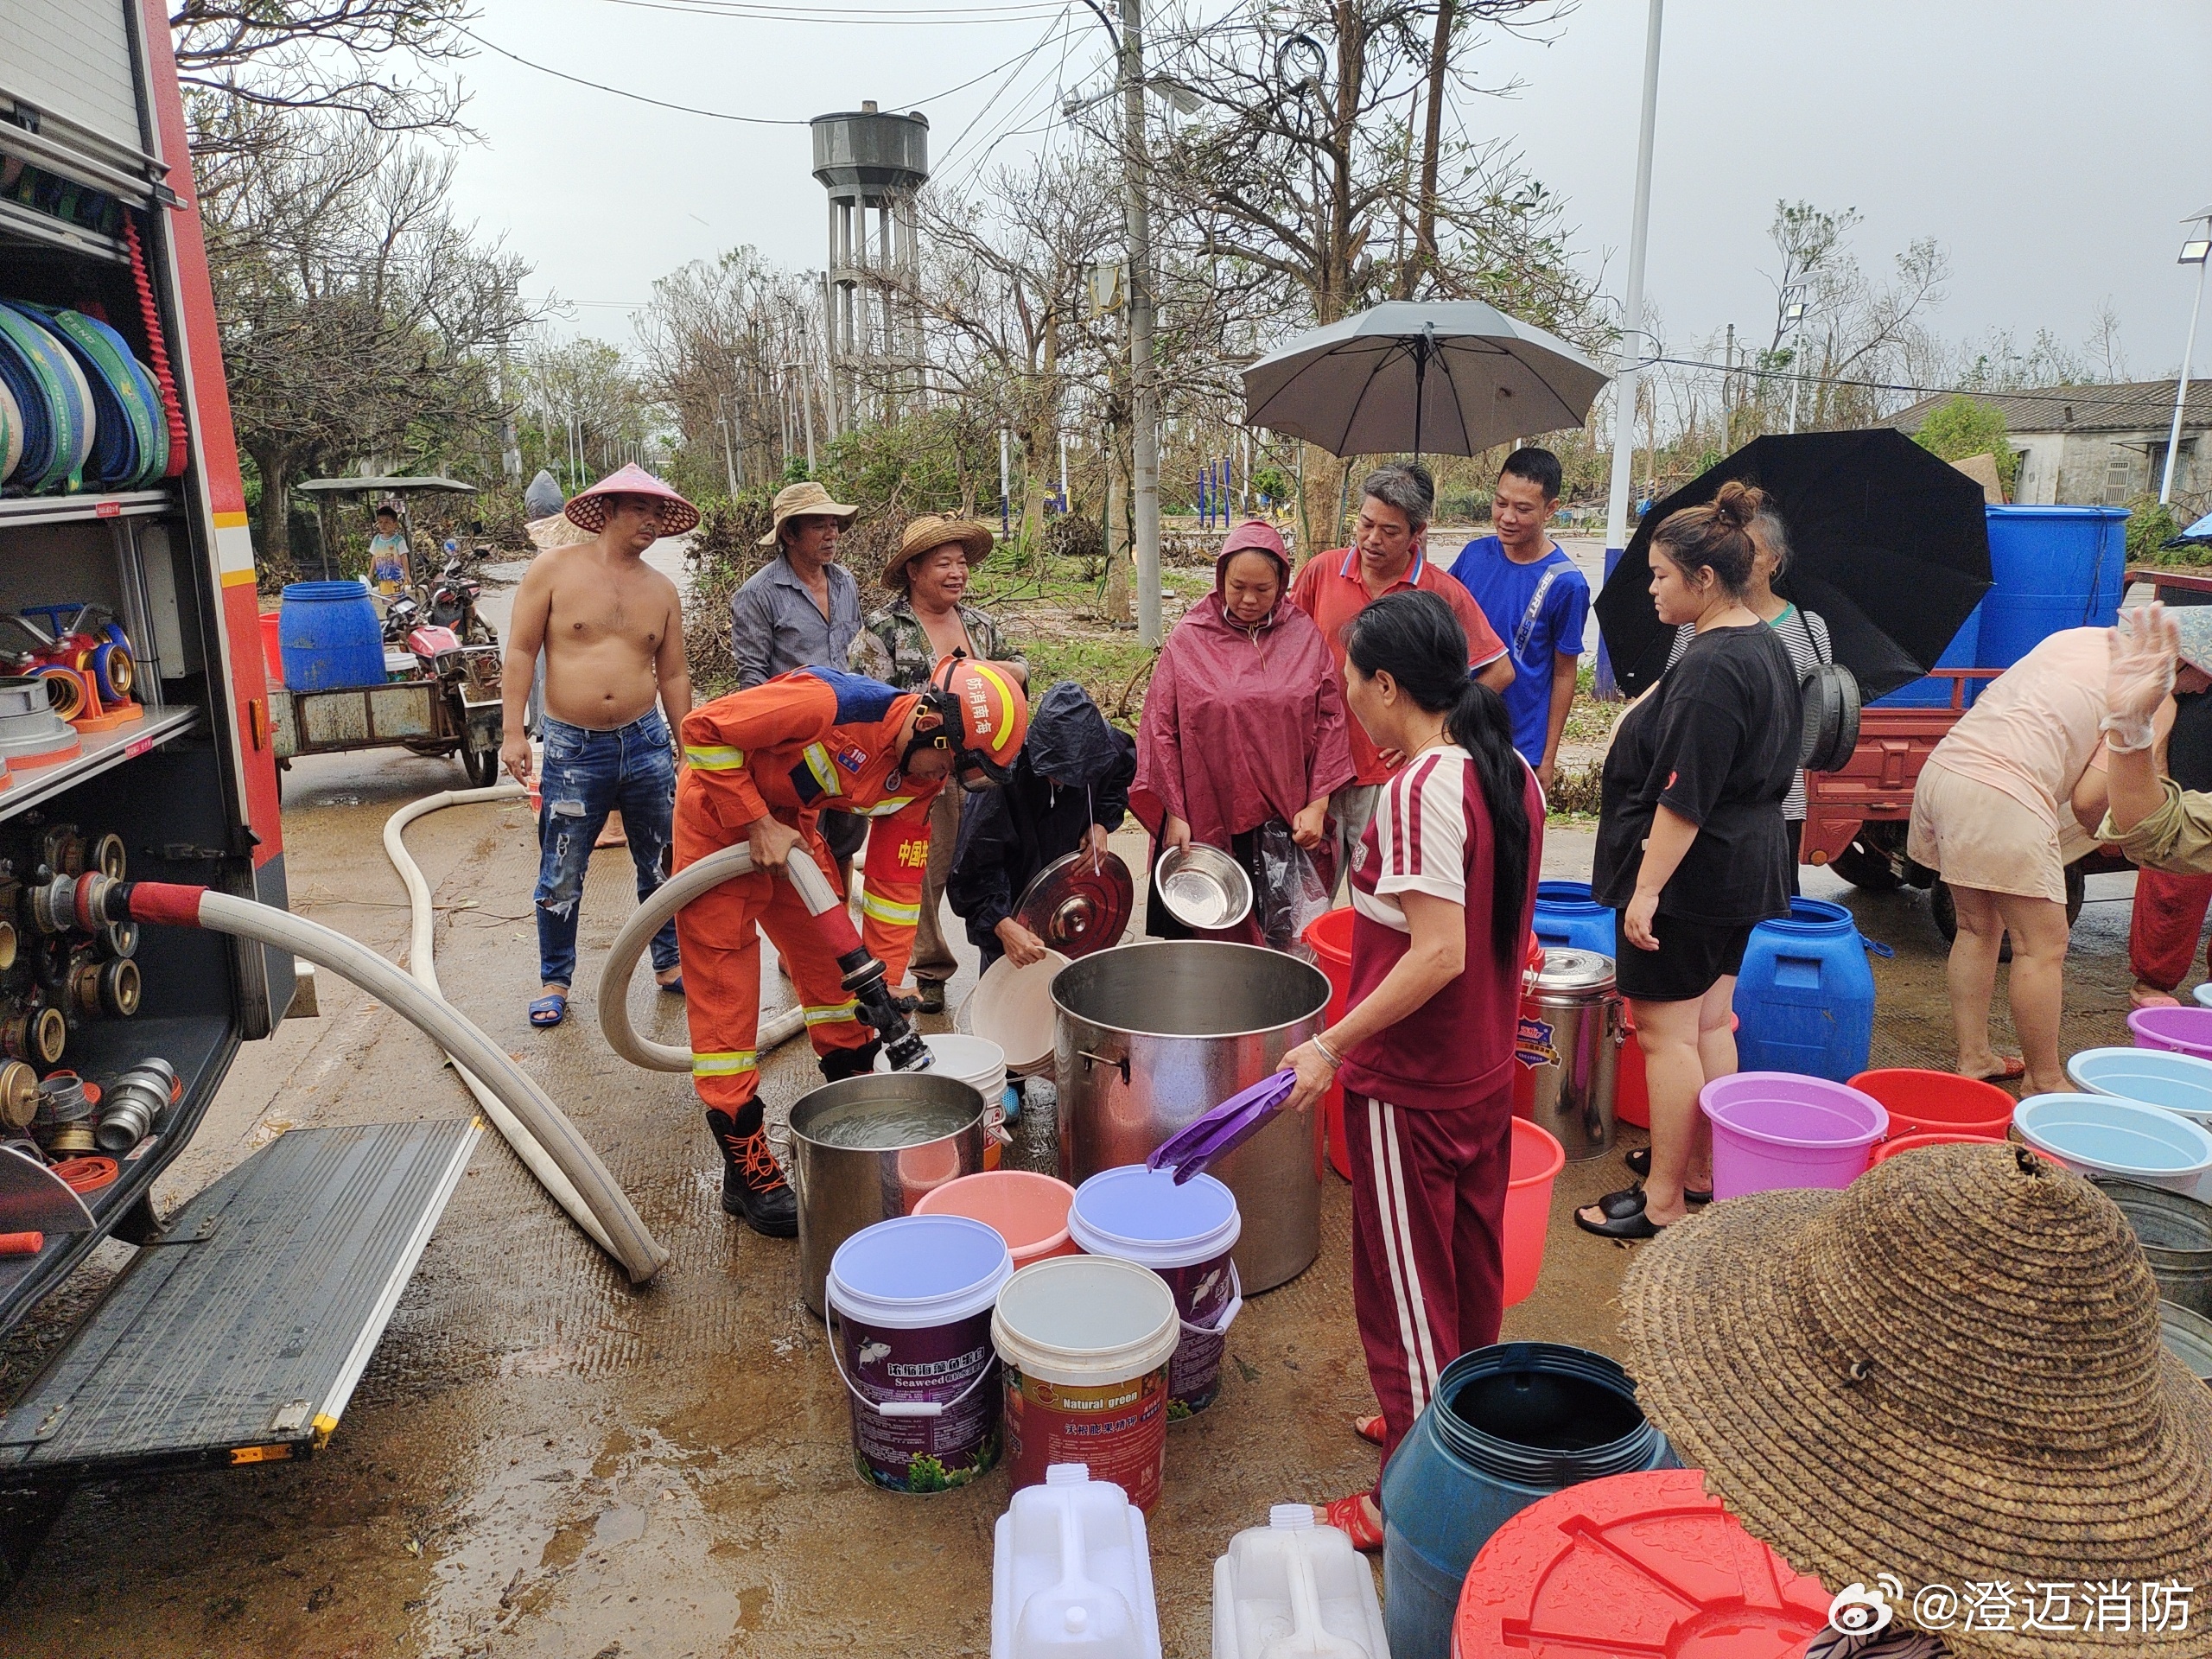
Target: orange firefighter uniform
803, 741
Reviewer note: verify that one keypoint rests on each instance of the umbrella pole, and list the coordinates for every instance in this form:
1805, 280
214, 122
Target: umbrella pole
1421, 391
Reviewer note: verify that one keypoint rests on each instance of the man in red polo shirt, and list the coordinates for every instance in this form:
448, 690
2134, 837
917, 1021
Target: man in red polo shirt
1387, 557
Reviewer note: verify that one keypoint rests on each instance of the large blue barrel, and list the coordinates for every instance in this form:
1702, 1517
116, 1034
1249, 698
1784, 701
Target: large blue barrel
1567, 918
1509, 1424
1805, 998
1932, 692
2055, 567
329, 636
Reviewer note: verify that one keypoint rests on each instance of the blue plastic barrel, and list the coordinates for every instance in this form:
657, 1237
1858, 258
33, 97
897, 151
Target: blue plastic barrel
1805, 997
1567, 918
2055, 568
1509, 1424
1930, 692
329, 636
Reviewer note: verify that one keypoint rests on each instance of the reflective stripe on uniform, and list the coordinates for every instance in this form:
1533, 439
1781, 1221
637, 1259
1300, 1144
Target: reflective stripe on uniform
728, 1064
890, 915
715, 757
888, 808
818, 763
829, 1014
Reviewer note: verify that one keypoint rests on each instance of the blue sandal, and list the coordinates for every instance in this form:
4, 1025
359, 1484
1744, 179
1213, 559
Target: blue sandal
674, 986
549, 1010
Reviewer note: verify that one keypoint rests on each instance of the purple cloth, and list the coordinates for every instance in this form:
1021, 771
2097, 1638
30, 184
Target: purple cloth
1221, 1131
1241, 725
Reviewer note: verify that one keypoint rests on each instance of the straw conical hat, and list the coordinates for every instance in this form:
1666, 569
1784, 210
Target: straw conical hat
589, 509
1950, 1372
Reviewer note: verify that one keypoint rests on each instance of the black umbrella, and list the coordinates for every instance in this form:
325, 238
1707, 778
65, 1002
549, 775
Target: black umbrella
1888, 543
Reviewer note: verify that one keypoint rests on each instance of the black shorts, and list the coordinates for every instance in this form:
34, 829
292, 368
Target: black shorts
1692, 958
843, 833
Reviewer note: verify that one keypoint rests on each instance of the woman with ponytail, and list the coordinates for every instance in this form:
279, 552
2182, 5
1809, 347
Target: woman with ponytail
1443, 886
1692, 853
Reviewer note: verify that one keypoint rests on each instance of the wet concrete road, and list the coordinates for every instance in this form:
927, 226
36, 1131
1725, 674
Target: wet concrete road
543, 1462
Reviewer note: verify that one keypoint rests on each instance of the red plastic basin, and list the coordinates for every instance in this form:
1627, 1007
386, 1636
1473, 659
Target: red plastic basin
1643, 1564
1938, 1103
1330, 936
1537, 1160
1897, 1143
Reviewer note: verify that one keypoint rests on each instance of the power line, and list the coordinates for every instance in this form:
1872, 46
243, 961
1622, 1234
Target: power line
784, 11
2087, 392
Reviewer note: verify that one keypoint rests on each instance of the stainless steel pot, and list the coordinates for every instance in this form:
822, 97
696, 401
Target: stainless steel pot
1567, 1055
1149, 1037
866, 1149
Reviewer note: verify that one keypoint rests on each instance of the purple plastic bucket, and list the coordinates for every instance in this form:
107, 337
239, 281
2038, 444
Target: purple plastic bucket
2178, 1031
1774, 1129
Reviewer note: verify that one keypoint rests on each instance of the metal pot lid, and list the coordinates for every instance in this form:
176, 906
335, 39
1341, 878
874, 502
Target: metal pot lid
1575, 970
1079, 903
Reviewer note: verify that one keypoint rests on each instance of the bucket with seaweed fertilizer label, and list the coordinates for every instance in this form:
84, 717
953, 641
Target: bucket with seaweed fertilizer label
910, 1303
1184, 1231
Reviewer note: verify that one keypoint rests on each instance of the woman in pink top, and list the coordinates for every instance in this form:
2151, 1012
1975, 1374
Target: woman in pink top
2003, 805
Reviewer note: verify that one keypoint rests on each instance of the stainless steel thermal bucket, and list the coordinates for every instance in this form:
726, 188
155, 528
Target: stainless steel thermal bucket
1149, 1037
866, 1149
1567, 1053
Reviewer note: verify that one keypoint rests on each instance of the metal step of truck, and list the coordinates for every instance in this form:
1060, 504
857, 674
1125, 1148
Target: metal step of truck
239, 1335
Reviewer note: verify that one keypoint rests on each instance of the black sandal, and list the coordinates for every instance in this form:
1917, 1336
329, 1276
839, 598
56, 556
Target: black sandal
1639, 1165
1625, 1218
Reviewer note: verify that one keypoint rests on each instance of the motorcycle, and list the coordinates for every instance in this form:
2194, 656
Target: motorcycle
453, 598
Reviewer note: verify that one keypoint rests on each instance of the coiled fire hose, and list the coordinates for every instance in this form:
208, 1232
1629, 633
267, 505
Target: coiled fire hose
421, 963
94, 899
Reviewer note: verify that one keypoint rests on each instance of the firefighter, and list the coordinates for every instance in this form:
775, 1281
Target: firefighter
761, 765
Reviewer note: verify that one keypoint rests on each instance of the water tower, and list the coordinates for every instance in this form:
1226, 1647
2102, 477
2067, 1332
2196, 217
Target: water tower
872, 164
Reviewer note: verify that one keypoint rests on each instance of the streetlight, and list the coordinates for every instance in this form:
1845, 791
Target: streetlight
1793, 313
2195, 251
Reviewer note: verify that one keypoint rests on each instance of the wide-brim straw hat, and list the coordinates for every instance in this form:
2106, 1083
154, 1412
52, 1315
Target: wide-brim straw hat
589, 509
1951, 1372
928, 533
808, 500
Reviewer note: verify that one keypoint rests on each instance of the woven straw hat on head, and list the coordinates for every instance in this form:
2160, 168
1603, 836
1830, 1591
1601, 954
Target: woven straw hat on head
1950, 1371
588, 511
807, 500
928, 533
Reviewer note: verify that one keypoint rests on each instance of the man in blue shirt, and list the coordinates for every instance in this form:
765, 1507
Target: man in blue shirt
1536, 600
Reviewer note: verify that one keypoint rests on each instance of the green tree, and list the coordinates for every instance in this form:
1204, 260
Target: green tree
1961, 425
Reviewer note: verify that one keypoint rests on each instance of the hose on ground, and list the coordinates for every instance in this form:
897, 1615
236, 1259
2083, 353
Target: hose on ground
95, 899
814, 892
421, 963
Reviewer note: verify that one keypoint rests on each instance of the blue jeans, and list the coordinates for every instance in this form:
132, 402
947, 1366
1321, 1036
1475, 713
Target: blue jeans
589, 774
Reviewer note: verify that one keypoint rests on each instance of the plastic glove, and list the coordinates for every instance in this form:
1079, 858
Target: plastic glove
2145, 646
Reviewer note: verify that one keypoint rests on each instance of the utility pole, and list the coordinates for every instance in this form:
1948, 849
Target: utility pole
1624, 360
2197, 252
1144, 392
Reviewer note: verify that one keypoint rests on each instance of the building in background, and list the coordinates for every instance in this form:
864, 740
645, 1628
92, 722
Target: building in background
2096, 445
872, 164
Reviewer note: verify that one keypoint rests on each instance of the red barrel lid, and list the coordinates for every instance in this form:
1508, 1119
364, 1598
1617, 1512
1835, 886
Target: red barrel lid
1643, 1563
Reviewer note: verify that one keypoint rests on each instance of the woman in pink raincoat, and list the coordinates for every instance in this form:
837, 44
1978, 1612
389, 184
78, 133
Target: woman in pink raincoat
1244, 721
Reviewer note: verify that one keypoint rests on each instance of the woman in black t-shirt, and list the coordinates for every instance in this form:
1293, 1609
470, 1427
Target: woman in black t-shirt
1691, 850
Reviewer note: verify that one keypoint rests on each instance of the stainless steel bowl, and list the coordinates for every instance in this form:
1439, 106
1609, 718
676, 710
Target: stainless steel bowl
1203, 886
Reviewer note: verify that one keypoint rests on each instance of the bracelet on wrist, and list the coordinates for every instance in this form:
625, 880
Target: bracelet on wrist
1335, 1059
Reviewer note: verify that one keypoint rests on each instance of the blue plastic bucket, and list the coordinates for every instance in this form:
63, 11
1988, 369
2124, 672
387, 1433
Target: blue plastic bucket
330, 637
1509, 1424
1805, 997
2055, 568
1567, 918
2150, 1077
2100, 1135
1931, 692
909, 1303
1184, 1231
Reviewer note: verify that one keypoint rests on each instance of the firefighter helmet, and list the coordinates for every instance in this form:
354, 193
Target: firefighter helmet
985, 718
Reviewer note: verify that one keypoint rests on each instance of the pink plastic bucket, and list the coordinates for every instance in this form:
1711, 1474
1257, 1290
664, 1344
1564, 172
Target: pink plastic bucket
1537, 1160
1029, 1210
1939, 1103
1778, 1129
2179, 1030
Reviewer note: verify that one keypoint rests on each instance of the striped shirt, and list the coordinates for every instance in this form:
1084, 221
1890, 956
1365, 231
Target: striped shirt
1806, 637
1432, 835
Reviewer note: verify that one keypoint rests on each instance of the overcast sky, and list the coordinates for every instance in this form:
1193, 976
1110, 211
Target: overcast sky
2051, 148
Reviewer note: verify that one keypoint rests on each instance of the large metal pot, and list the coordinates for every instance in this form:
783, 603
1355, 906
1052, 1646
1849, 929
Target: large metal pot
866, 1149
1151, 1036
1568, 1052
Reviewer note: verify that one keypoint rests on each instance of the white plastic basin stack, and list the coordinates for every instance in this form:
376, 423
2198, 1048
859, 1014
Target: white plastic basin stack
1072, 1573
1291, 1590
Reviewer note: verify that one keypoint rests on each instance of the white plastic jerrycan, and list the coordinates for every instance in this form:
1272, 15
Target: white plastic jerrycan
1291, 1590
1071, 1575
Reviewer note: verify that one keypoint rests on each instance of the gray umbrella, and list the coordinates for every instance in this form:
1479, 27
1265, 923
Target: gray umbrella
1446, 377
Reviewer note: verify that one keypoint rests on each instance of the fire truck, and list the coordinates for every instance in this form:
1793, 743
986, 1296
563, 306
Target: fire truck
244, 1318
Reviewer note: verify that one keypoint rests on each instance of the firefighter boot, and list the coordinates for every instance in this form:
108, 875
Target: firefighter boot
752, 1184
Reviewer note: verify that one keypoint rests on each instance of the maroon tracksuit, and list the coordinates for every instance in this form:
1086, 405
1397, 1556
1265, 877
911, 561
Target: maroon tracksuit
1428, 1103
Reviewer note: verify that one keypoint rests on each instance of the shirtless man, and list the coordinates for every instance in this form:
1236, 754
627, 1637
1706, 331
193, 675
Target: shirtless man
612, 629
